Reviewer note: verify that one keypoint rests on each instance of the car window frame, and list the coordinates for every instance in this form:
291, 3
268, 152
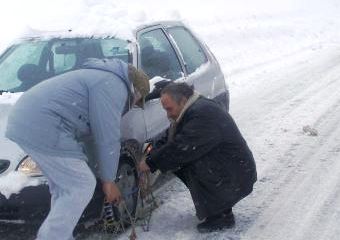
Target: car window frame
175, 48
197, 40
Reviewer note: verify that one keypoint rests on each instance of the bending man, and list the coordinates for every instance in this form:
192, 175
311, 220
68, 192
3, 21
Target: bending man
49, 121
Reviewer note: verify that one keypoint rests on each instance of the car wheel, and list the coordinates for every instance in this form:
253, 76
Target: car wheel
115, 218
128, 185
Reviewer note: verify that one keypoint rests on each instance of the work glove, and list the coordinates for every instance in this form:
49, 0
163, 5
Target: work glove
158, 87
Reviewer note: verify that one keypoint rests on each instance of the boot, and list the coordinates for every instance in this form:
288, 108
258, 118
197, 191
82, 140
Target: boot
217, 222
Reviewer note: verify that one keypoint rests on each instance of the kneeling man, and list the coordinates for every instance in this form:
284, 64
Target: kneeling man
205, 149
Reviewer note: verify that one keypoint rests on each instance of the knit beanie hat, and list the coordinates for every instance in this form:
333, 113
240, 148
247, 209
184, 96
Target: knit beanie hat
139, 80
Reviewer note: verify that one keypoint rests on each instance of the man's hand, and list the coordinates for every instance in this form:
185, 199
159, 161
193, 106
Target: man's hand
143, 167
112, 192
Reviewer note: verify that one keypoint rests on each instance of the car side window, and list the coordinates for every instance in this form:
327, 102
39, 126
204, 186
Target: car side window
157, 56
192, 52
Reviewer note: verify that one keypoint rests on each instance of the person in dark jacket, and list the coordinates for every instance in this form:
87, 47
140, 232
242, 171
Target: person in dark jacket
49, 122
205, 149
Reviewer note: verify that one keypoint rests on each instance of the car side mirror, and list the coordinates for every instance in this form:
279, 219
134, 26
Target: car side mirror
157, 84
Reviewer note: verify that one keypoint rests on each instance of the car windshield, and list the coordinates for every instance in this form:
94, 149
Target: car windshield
30, 62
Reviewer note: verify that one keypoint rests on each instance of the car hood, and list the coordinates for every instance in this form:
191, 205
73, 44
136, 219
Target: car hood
8, 149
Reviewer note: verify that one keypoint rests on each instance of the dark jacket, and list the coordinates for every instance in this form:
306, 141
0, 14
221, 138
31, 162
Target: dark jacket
209, 154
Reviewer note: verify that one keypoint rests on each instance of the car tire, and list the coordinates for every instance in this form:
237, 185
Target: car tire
128, 185
127, 181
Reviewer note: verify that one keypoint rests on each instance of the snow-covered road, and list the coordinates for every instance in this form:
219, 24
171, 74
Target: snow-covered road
283, 68
297, 195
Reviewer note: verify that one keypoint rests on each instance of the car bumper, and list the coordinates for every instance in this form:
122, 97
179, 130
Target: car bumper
30, 203
33, 203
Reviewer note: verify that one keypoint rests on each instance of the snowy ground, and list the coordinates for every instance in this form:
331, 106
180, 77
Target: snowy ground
284, 75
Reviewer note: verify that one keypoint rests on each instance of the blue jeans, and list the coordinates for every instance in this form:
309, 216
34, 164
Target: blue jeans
71, 184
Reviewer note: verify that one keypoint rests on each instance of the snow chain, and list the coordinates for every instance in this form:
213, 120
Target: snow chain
113, 225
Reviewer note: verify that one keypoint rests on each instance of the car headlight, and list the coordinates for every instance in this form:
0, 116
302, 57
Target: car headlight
29, 167
4, 164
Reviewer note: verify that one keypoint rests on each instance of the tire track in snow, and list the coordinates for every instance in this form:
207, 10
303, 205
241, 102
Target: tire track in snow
301, 104
280, 175
308, 193
279, 88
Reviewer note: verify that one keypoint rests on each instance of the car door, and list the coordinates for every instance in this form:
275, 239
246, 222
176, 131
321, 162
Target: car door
158, 59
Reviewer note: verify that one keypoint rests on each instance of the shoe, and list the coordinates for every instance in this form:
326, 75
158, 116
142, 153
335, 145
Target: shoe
216, 223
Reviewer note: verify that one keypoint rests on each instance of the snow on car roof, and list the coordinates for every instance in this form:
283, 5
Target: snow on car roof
91, 20
81, 19
121, 30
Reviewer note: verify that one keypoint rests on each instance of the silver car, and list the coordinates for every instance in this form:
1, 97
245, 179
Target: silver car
164, 50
